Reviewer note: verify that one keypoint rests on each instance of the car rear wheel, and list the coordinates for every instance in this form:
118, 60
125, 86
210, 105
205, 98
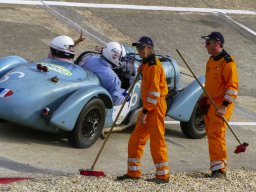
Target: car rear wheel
89, 125
195, 127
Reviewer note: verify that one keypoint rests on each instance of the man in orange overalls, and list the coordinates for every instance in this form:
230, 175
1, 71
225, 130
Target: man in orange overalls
150, 123
222, 86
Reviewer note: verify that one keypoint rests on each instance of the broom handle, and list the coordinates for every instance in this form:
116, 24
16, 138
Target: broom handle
114, 123
214, 104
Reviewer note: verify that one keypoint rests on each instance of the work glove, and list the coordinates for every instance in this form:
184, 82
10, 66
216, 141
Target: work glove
203, 106
125, 95
221, 111
143, 118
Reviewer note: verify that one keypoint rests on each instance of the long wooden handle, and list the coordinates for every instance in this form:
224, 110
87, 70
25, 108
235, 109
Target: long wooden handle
214, 104
114, 123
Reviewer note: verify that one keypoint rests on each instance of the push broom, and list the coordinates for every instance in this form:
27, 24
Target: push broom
242, 146
91, 171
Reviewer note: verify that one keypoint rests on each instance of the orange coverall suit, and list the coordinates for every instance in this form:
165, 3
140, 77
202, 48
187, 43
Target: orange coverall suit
222, 86
153, 91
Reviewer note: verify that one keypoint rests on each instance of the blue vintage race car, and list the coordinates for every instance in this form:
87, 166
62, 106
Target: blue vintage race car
54, 96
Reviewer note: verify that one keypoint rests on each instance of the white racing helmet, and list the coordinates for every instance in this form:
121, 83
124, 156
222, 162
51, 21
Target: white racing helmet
63, 46
114, 52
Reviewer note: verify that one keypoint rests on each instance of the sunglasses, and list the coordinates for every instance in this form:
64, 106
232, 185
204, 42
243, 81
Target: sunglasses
140, 47
209, 42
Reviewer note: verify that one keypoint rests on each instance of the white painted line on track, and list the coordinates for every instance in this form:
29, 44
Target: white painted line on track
230, 123
240, 25
243, 123
171, 122
133, 7
22, 2
139, 7
74, 23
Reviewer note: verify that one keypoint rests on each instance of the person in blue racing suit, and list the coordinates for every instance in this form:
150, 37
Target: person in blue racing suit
104, 65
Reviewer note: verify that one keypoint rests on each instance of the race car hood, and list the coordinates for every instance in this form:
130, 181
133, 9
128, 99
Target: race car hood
61, 69
25, 90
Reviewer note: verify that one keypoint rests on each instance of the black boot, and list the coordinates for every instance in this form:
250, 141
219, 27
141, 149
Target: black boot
218, 174
158, 181
126, 176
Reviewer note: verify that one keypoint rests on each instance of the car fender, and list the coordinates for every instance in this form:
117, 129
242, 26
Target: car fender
8, 63
185, 101
66, 115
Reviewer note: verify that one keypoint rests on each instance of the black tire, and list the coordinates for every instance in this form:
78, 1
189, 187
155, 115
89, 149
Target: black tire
195, 127
89, 125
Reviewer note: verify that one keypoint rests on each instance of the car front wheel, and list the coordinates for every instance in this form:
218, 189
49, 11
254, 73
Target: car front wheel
195, 127
89, 125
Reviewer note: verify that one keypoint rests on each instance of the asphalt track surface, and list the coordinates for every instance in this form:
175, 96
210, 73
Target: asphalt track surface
26, 30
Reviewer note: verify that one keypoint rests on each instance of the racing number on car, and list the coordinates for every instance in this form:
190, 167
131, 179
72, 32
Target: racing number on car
134, 96
7, 76
127, 106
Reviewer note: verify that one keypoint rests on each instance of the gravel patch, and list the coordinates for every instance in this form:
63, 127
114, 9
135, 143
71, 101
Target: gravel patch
237, 180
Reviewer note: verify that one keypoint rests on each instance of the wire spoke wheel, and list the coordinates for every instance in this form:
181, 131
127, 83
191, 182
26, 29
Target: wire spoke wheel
199, 122
195, 127
89, 124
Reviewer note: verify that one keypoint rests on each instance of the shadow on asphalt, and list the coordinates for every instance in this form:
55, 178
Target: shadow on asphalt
175, 132
26, 168
11, 133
